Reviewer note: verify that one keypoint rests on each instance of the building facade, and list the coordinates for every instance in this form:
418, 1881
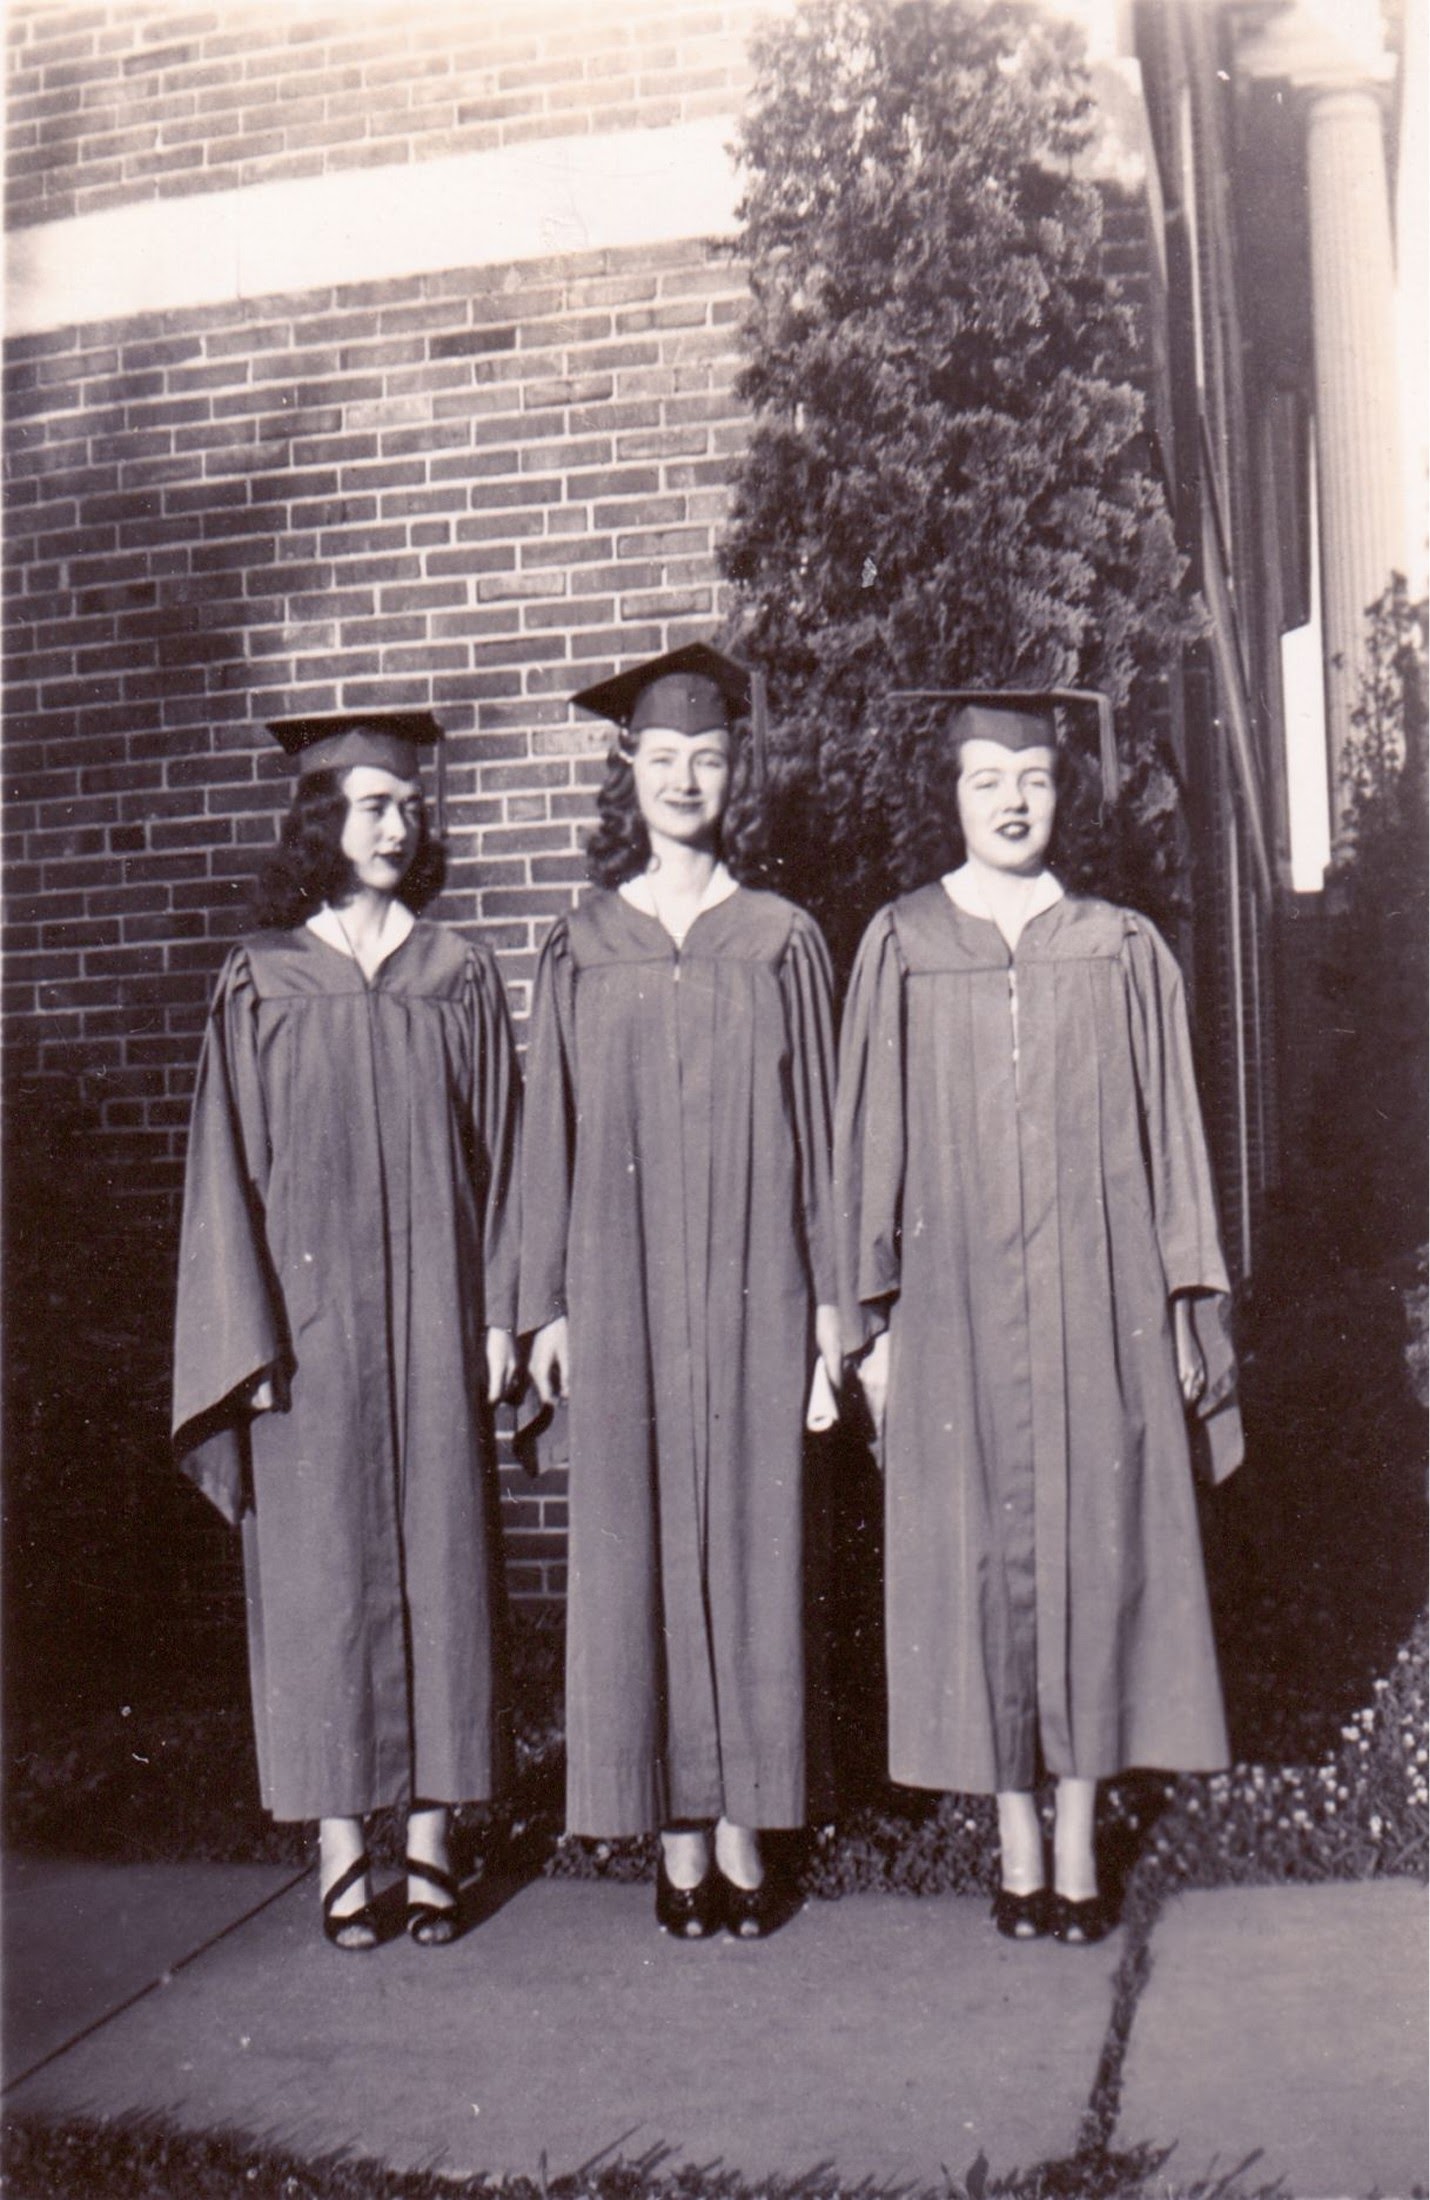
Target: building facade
388, 358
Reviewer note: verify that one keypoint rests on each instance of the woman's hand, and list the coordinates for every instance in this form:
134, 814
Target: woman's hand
873, 1372
822, 1406
828, 1343
549, 1361
1191, 1367
501, 1364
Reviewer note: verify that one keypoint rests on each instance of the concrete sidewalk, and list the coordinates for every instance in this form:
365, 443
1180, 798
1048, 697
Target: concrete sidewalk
81, 1941
887, 2038
1291, 2019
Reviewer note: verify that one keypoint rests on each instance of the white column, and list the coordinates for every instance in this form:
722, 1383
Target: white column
1330, 57
1412, 273
1356, 395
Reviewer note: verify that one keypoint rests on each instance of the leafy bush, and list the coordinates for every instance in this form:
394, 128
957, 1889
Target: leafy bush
947, 483
1359, 1814
1368, 1142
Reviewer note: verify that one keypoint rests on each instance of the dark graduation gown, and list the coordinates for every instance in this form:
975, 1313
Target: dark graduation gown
350, 1227
677, 1205
1023, 1182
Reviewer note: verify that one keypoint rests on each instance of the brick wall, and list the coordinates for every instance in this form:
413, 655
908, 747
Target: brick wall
469, 492
113, 104
469, 489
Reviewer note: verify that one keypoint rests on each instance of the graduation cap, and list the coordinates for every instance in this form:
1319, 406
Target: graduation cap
389, 740
691, 690
1024, 718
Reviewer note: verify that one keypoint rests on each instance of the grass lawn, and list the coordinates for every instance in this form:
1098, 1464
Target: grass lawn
152, 2162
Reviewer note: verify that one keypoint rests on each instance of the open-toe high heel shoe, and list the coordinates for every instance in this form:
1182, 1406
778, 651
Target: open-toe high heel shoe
355, 1930
689, 1913
1080, 1924
433, 1924
1022, 1916
749, 1911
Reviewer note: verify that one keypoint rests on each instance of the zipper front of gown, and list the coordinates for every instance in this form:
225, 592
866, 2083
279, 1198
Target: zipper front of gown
1038, 1493
693, 1109
1034, 1084
686, 1565
396, 1360
688, 1299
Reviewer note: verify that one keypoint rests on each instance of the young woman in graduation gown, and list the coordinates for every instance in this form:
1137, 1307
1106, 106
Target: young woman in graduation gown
678, 1273
1031, 1270
346, 1309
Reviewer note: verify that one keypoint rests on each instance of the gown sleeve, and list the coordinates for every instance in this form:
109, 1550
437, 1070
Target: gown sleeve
808, 990
229, 1327
1183, 1202
1183, 1197
496, 1127
548, 1150
869, 1137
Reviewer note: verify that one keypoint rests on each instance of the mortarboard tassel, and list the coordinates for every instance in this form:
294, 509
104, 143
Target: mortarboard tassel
1107, 744
759, 727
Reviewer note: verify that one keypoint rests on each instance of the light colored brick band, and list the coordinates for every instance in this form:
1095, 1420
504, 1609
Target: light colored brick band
534, 201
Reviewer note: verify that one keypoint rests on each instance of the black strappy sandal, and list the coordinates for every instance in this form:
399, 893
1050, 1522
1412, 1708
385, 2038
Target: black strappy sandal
433, 1924
363, 1922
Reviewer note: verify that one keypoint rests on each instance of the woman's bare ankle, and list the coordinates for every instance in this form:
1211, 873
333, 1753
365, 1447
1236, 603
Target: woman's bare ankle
686, 1853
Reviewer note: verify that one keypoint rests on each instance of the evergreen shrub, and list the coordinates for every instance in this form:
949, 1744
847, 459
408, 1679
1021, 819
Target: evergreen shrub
948, 482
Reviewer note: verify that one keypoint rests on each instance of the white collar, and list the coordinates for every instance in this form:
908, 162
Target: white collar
964, 889
396, 927
640, 893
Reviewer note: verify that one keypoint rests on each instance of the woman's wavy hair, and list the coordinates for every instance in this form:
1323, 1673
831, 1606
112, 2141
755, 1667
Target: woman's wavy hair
618, 846
308, 866
926, 839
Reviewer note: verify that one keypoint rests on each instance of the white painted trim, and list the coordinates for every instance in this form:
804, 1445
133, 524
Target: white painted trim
538, 200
